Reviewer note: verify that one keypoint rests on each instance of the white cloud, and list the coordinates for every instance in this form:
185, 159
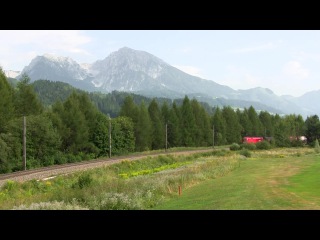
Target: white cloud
51, 39
186, 50
266, 46
251, 80
190, 70
294, 69
19, 47
303, 56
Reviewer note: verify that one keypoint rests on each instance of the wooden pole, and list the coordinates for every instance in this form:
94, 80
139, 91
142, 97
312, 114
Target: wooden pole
24, 143
109, 137
212, 136
166, 136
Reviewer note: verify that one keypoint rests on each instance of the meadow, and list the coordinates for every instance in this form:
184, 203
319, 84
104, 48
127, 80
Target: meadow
281, 178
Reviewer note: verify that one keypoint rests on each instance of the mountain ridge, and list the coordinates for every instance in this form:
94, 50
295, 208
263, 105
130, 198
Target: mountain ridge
140, 72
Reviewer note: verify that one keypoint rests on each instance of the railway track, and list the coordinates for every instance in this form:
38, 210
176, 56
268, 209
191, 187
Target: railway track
52, 171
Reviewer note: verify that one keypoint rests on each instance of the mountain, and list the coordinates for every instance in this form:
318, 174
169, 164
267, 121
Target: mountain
139, 72
266, 96
55, 68
308, 102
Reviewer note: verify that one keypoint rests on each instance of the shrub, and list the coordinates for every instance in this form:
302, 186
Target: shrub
248, 146
220, 153
297, 143
234, 147
264, 145
55, 205
10, 185
59, 158
281, 141
245, 152
84, 180
116, 201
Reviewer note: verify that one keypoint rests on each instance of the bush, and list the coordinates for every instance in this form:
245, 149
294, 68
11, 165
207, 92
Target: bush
116, 201
10, 185
84, 180
264, 145
249, 146
234, 147
220, 153
55, 205
297, 143
245, 152
59, 158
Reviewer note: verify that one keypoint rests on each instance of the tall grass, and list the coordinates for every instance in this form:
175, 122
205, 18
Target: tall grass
148, 181
105, 188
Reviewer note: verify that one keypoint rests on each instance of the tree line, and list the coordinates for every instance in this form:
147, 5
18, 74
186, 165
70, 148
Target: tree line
74, 128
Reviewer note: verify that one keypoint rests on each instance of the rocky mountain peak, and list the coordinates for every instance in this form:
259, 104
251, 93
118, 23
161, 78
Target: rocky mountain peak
140, 72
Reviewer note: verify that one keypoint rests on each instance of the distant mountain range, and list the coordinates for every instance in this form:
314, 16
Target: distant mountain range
142, 73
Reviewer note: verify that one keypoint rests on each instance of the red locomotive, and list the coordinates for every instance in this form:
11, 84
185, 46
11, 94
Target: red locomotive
252, 139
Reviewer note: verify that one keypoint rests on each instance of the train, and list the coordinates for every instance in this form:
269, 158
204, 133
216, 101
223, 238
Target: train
254, 140
248, 139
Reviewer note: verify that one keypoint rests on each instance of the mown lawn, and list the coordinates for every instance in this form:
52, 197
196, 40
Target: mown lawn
268, 181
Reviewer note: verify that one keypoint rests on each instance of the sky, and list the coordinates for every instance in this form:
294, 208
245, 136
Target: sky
285, 61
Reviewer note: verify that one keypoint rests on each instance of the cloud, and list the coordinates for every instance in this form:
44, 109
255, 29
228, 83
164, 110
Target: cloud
295, 69
186, 50
19, 47
190, 70
266, 46
251, 80
303, 56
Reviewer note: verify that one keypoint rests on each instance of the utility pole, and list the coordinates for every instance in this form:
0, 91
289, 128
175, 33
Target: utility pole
212, 136
24, 144
166, 136
109, 136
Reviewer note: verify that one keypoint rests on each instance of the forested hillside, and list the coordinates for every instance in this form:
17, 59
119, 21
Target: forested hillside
67, 125
109, 103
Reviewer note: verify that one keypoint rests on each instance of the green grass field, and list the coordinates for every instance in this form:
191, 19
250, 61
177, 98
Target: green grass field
269, 180
275, 179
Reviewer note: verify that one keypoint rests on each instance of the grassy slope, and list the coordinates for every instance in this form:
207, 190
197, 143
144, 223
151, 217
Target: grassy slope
289, 182
306, 183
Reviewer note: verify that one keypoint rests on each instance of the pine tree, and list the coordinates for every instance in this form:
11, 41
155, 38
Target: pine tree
43, 141
6, 102
266, 120
129, 109
233, 127
123, 140
188, 124
74, 129
100, 136
174, 127
143, 129
281, 132
158, 126
203, 128
165, 112
312, 126
219, 127
255, 122
246, 126
26, 101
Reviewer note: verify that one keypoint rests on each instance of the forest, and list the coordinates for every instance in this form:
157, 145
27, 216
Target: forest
75, 125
